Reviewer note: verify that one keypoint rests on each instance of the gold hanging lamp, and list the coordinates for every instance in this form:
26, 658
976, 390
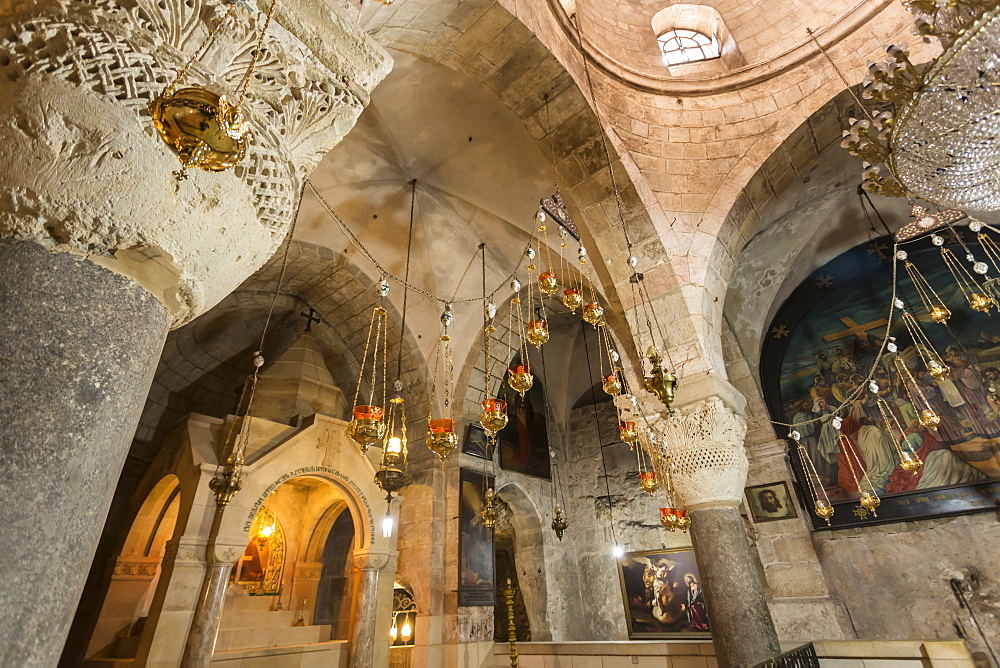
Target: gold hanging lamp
367, 425
935, 306
821, 501
442, 438
206, 130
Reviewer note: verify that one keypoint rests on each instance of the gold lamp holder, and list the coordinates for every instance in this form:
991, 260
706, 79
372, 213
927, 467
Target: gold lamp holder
559, 523
490, 510
660, 382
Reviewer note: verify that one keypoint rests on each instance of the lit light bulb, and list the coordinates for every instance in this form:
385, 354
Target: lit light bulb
387, 526
618, 551
395, 445
406, 631
393, 632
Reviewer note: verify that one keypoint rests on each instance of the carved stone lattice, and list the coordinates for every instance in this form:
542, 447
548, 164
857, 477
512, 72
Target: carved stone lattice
708, 462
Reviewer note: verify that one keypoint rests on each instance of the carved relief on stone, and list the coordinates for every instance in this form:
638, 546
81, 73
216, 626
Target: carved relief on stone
88, 175
136, 570
708, 461
475, 624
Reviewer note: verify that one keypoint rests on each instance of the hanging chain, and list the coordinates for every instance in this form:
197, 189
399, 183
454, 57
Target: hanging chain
241, 90
201, 50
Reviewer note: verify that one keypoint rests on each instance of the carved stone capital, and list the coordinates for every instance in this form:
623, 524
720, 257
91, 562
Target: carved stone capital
707, 458
374, 560
87, 175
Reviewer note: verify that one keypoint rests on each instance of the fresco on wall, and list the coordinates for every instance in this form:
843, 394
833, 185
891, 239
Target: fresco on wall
524, 442
476, 570
663, 596
825, 340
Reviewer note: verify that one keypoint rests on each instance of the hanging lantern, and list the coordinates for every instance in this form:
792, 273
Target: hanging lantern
538, 331
206, 130
520, 379
823, 510
971, 290
548, 283
660, 382
559, 523
571, 299
910, 462
930, 357
493, 418
593, 313
611, 383
441, 437
367, 425
647, 481
490, 510
628, 432
683, 520
821, 502
935, 306
391, 476
870, 501
668, 518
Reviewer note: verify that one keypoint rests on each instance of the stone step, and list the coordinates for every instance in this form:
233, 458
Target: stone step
257, 619
236, 639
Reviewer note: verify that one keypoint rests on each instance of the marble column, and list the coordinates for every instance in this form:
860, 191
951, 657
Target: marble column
78, 347
709, 470
370, 635
102, 249
201, 638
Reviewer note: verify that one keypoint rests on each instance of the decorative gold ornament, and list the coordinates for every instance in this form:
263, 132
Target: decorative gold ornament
367, 426
441, 437
493, 417
939, 314
490, 511
966, 282
548, 283
559, 523
929, 418
660, 382
936, 309
520, 379
204, 129
593, 313
823, 510
628, 432
538, 331
647, 481
910, 462
870, 501
611, 383
668, 518
572, 299
683, 520
980, 302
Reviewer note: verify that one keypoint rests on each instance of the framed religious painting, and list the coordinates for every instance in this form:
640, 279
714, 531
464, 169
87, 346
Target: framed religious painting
770, 502
828, 354
476, 567
663, 596
476, 443
524, 442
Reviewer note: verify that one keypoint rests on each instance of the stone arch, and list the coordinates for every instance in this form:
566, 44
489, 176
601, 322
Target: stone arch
205, 363
530, 573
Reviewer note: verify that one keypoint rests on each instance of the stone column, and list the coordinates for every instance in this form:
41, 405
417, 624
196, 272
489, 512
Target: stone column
102, 249
709, 469
205, 626
370, 635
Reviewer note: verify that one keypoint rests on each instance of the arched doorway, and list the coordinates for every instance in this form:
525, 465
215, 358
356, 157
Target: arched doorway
294, 584
137, 571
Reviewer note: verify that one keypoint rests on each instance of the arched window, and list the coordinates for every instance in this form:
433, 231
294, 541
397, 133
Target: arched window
680, 45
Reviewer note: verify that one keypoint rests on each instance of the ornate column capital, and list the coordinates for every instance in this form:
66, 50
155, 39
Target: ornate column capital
374, 560
708, 462
87, 175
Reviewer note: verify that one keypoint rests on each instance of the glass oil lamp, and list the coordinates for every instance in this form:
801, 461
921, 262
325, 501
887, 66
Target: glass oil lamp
647, 481
490, 512
683, 520
668, 518
593, 313
441, 437
939, 314
823, 510
538, 331
611, 383
494, 416
366, 427
572, 299
937, 369
628, 431
548, 283
519, 378
980, 302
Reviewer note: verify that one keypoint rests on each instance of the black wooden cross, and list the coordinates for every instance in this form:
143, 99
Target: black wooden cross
311, 317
